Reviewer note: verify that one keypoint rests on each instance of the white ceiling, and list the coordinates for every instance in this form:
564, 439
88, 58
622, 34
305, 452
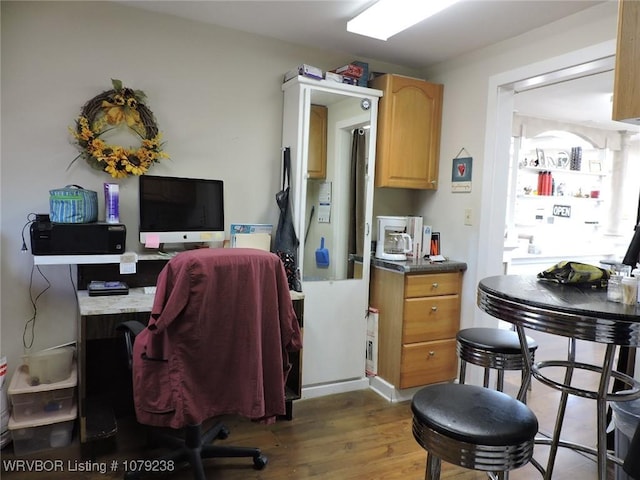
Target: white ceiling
464, 27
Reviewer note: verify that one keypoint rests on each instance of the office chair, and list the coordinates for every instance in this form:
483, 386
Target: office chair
217, 343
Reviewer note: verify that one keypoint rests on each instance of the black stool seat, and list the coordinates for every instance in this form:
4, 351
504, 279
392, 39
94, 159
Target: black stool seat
474, 414
492, 348
494, 340
473, 427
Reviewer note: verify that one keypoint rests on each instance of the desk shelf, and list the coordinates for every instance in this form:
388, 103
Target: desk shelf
93, 259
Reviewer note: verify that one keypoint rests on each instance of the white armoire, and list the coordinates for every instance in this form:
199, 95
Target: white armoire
330, 129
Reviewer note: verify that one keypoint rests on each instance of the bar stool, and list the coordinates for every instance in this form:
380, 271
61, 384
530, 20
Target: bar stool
473, 427
492, 348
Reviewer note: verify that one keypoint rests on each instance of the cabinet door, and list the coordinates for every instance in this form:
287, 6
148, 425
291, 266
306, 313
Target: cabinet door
626, 101
317, 160
408, 132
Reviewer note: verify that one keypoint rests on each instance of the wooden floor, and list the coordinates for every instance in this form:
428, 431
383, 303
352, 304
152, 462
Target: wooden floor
356, 435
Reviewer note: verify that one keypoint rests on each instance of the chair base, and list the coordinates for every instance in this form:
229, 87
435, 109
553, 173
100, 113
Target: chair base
194, 448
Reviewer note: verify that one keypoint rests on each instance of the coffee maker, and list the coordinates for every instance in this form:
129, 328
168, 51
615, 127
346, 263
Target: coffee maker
393, 240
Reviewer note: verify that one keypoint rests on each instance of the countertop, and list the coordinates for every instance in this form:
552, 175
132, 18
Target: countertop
135, 301
419, 265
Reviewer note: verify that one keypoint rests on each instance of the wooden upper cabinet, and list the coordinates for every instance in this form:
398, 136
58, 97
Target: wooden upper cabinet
317, 161
626, 90
409, 122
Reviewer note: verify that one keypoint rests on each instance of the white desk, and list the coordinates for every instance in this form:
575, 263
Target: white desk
135, 301
98, 317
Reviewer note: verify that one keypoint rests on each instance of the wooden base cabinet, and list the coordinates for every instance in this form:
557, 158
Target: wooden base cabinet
419, 316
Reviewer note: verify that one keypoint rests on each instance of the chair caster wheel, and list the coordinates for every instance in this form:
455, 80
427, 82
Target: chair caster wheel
223, 433
260, 462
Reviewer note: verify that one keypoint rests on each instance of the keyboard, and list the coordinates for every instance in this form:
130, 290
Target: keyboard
150, 290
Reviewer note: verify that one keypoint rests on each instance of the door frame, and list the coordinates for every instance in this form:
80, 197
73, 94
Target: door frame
501, 90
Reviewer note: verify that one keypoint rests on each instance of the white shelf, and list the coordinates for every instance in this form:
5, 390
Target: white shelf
74, 259
92, 259
567, 198
562, 170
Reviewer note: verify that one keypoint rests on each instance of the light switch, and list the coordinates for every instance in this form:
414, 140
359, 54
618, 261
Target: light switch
467, 216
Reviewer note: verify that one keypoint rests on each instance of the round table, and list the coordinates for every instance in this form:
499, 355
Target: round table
578, 313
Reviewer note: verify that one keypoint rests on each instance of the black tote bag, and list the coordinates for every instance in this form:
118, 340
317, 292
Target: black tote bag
286, 242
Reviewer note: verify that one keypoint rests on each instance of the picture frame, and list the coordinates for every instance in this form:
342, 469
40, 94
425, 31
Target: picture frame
540, 158
595, 166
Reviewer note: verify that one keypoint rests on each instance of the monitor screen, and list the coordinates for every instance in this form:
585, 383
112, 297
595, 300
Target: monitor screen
180, 210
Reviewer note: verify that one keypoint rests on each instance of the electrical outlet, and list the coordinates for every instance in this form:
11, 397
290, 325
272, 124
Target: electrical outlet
467, 216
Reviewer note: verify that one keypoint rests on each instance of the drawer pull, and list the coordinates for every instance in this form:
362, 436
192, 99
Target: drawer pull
434, 284
434, 308
432, 353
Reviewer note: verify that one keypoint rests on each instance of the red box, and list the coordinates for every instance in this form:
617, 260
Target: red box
350, 70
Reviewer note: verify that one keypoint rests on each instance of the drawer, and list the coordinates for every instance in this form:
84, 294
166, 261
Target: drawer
428, 362
430, 318
431, 284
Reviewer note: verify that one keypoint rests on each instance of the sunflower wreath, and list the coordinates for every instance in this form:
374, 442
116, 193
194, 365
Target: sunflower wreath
117, 109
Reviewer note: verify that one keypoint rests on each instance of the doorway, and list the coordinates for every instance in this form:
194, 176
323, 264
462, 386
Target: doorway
500, 107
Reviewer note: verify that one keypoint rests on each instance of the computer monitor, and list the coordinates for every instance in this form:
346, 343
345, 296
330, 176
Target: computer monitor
181, 210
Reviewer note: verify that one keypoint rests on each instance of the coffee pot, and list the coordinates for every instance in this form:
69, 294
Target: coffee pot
393, 240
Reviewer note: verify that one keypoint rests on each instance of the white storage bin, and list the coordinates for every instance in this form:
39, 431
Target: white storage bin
36, 435
41, 402
50, 366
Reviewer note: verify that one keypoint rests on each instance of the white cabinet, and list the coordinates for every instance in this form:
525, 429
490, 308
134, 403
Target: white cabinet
336, 296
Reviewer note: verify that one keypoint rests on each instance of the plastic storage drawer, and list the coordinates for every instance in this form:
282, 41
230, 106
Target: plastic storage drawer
41, 402
37, 435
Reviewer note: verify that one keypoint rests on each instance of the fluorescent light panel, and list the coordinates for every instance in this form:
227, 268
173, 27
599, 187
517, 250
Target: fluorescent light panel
388, 17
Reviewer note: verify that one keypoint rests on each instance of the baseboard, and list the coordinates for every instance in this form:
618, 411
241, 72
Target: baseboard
331, 388
391, 393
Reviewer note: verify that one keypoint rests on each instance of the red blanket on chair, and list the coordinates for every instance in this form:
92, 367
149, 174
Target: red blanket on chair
217, 341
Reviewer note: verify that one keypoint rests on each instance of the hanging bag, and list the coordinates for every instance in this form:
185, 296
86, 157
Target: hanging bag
73, 204
286, 242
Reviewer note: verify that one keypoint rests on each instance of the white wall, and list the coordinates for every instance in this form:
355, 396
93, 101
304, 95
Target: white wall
216, 94
466, 117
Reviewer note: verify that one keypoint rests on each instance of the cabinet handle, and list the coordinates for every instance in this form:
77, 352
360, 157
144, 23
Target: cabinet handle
432, 353
434, 284
434, 309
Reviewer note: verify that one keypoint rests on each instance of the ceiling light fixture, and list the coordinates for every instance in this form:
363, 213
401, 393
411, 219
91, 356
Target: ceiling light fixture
387, 17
